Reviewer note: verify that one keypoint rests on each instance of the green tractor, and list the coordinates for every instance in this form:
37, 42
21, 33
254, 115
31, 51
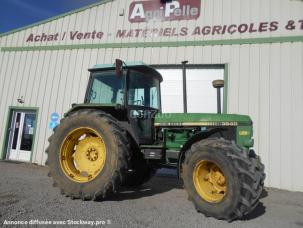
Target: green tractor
119, 136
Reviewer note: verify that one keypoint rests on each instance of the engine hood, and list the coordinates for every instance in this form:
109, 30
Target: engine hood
198, 119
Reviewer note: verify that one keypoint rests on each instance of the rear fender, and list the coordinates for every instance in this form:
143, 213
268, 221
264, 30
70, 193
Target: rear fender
116, 111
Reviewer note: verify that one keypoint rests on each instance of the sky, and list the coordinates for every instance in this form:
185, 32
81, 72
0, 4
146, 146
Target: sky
19, 13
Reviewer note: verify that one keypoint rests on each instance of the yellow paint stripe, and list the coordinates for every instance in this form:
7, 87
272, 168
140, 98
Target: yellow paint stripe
198, 124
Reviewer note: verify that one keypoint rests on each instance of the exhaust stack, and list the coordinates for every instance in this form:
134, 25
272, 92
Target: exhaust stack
218, 84
184, 86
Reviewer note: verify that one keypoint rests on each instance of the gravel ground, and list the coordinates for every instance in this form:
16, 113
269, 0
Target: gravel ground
26, 194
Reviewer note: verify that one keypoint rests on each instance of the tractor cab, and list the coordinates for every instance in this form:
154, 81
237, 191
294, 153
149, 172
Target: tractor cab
131, 88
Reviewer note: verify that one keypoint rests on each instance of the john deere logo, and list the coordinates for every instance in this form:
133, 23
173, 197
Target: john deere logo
145, 11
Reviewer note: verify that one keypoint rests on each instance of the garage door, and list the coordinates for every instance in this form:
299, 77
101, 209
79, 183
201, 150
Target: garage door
201, 96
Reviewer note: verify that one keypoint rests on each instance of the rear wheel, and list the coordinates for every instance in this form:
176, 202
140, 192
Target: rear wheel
87, 155
221, 179
82, 159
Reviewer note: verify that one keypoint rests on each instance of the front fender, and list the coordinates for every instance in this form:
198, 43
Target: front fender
195, 138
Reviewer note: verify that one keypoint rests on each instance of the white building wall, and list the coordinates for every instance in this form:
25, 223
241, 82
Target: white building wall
264, 80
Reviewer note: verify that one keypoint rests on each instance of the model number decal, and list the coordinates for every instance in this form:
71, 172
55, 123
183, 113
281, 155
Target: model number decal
198, 124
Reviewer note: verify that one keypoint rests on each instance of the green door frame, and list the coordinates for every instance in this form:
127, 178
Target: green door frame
206, 66
8, 123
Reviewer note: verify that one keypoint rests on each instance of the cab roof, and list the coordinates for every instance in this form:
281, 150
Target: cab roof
138, 66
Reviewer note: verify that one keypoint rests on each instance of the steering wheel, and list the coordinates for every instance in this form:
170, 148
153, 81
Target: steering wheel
137, 102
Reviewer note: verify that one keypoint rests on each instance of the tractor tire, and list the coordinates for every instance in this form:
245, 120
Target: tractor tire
93, 167
140, 173
221, 179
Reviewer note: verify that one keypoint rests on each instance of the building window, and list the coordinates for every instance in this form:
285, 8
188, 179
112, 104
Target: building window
201, 96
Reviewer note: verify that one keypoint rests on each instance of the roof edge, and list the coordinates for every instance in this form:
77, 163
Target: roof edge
55, 17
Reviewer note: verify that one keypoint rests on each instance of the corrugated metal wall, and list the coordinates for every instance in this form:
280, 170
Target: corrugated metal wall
265, 80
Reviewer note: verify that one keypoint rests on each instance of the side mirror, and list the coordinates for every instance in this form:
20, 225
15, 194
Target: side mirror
119, 67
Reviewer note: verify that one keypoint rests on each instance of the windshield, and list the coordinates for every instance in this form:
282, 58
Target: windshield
106, 88
143, 90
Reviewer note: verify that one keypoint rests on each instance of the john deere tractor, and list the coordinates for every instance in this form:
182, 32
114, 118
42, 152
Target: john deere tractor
119, 136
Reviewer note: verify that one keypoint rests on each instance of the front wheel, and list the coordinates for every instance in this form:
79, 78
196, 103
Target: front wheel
221, 179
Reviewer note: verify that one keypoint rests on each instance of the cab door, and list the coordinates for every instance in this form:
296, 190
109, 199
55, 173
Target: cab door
143, 104
142, 121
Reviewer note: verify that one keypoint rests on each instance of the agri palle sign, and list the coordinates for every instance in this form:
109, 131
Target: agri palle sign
145, 11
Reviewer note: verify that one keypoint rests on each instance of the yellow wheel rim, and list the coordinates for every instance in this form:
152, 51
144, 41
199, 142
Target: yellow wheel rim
82, 155
209, 181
